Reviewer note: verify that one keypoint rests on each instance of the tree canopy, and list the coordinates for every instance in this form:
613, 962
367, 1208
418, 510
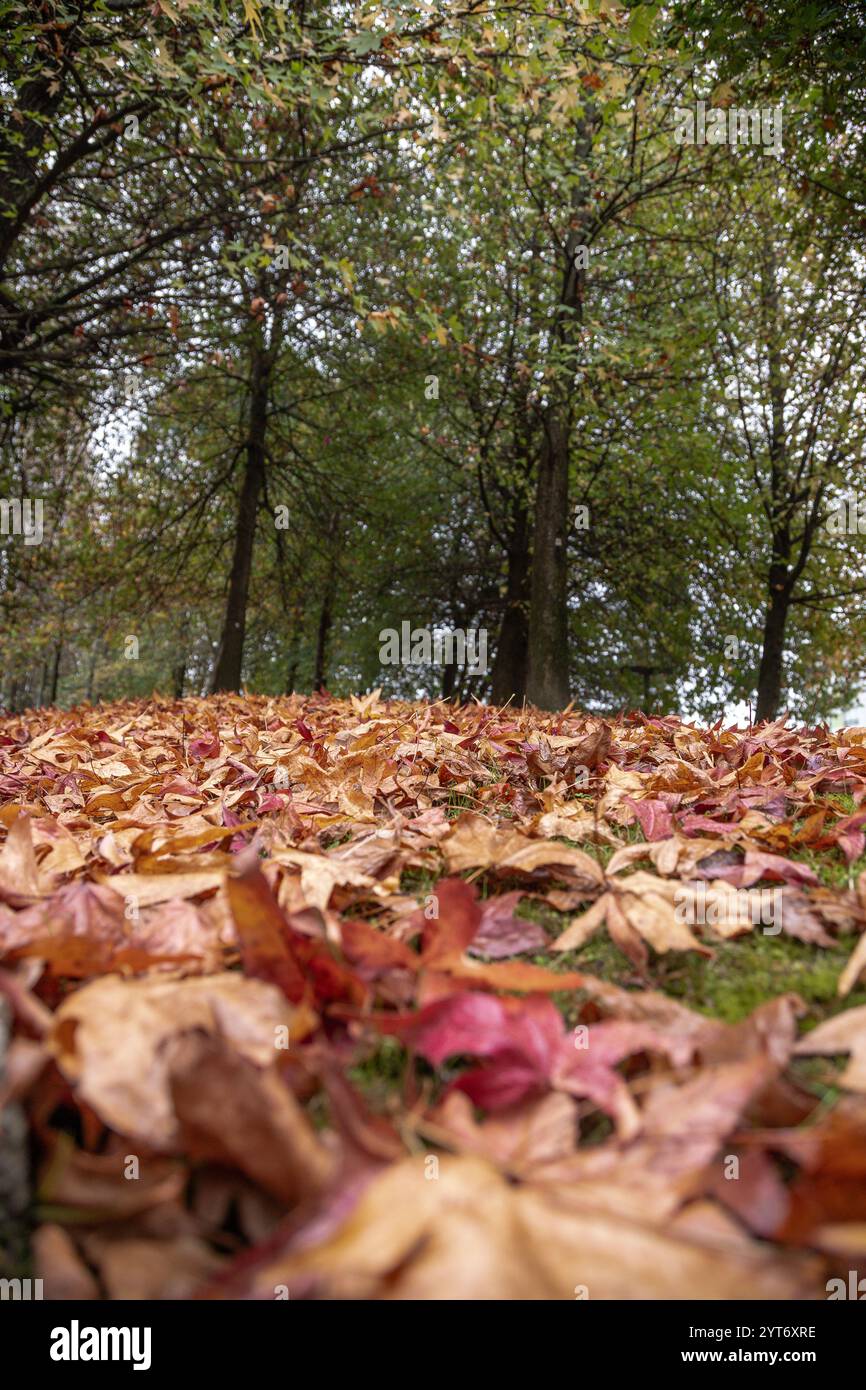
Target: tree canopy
317, 320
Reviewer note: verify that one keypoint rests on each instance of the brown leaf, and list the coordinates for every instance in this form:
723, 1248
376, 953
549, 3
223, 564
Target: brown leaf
112, 1040
471, 1233
844, 1033
231, 1111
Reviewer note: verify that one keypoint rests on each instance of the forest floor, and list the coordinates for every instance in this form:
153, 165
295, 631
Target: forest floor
360, 998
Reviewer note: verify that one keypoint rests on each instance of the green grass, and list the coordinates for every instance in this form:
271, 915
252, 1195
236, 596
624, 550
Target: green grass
380, 1074
741, 975
751, 969
830, 866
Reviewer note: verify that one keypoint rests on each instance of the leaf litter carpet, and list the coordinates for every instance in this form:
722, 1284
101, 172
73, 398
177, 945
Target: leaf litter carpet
295, 1003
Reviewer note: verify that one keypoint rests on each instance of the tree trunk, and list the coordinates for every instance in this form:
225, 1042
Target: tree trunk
326, 615
227, 671
91, 671
294, 654
772, 654
781, 579
508, 678
294, 611
547, 677
449, 679
55, 672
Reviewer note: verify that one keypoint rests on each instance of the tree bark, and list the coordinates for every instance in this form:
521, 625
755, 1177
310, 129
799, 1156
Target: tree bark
508, 678
55, 672
294, 610
326, 616
449, 679
780, 577
773, 651
294, 653
91, 670
547, 679
229, 662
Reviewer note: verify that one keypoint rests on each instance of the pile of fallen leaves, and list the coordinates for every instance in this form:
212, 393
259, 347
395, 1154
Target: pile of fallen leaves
283, 1023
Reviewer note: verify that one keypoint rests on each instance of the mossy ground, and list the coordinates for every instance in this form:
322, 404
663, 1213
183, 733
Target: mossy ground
742, 973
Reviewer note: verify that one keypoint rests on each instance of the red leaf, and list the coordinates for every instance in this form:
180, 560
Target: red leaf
655, 819
502, 934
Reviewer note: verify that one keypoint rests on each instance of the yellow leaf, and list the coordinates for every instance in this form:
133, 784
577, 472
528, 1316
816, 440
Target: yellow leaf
251, 14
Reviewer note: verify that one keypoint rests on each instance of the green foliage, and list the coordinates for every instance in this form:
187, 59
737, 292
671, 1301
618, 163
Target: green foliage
370, 200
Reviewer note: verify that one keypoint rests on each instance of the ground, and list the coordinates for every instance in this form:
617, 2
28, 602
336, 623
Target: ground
360, 998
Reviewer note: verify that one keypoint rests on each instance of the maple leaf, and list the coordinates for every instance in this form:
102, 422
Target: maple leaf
478, 1236
110, 1039
183, 885
527, 1049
